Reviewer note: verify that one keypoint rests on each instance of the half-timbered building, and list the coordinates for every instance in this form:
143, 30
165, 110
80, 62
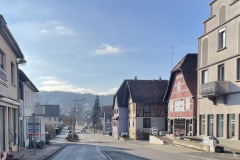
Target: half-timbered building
181, 97
146, 107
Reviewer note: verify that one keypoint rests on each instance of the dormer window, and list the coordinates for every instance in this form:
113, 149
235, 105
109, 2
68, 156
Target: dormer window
221, 39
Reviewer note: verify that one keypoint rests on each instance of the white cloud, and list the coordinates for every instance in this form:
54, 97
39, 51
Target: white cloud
110, 91
106, 49
51, 84
43, 31
61, 30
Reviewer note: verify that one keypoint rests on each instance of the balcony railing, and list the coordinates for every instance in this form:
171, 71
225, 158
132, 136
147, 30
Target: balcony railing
213, 89
3, 76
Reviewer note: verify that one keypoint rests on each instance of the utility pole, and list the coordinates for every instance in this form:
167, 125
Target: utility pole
34, 135
75, 111
172, 47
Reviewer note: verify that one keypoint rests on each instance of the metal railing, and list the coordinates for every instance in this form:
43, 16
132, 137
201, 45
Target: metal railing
3, 76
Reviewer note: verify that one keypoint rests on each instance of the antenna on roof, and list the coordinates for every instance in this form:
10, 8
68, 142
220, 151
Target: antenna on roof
172, 47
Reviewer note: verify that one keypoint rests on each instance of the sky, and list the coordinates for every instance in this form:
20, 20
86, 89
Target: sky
91, 46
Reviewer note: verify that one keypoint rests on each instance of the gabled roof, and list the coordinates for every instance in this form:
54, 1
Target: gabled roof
108, 110
52, 110
7, 35
24, 78
146, 91
120, 95
188, 67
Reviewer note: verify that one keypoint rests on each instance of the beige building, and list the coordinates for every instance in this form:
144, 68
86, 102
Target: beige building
10, 57
219, 73
146, 107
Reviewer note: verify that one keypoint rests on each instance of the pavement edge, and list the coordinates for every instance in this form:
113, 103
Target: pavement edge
54, 153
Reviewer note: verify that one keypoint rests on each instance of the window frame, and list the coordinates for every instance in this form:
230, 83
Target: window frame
202, 125
13, 80
204, 76
146, 122
210, 124
238, 68
171, 106
230, 126
2, 60
222, 38
220, 118
146, 108
221, 72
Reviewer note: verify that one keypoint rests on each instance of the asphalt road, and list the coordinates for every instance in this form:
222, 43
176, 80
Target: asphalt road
101, 147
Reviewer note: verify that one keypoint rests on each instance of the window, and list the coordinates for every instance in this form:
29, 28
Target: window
2, 128
12, 73
202, 124
146, 123
210, 125
179, 86
221, 72
188, 104
231, 125
171, 105
220, 125
1, 60
3, 76
146, 109
238, 69
221, 39
49, 118
204, 77
54, 118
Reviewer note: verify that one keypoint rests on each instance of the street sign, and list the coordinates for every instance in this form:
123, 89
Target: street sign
37, 130
69, 120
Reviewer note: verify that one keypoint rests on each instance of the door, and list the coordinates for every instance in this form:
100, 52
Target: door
188, 127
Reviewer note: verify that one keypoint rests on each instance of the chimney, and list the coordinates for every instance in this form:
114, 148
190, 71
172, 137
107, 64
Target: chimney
135, 78
160, 78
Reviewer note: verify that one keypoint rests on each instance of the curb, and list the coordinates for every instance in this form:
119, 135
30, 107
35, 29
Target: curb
54, 153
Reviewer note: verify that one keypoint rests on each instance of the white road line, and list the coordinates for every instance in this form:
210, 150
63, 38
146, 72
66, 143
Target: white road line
101, 152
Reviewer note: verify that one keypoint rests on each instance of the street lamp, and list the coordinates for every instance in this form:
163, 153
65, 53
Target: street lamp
76, 100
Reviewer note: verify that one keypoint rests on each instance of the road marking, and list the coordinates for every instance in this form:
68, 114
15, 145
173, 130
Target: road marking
101, 152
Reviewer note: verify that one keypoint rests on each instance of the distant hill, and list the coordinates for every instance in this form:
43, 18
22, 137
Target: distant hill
66, 99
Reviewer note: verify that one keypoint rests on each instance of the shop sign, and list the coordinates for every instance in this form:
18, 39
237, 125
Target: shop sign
179, 106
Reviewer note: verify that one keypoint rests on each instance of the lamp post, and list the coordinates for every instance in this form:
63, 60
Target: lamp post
76, 100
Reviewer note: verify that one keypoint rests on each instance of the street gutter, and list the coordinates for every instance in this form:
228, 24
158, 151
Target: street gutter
54, 153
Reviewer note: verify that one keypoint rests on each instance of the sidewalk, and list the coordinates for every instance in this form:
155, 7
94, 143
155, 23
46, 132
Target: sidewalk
41, 154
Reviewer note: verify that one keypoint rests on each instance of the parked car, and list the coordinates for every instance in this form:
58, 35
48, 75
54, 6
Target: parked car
110, 133
69, 132
83, 130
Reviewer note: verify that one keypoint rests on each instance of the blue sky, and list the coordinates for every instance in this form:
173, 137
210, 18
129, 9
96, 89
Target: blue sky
91, 46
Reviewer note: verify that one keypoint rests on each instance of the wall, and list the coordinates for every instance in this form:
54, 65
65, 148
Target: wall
227, 56
180, 95
9, 91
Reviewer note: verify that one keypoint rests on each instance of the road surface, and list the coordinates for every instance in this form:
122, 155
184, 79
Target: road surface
102, 147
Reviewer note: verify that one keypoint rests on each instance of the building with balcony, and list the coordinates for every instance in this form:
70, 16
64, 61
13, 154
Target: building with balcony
219, 73
181, 96
10, 56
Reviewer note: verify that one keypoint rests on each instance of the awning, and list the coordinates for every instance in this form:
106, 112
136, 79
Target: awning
115, 117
